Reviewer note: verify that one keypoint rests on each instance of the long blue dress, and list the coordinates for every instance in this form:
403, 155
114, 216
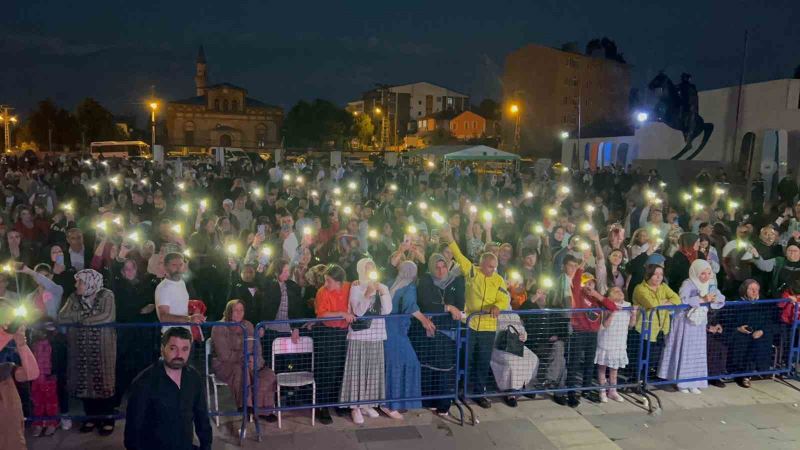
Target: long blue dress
403, 379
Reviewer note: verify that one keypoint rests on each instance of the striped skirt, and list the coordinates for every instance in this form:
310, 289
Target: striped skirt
364, 375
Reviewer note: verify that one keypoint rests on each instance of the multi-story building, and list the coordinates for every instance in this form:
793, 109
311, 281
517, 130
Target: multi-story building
221, 115
396, 110
469, 125
559, 91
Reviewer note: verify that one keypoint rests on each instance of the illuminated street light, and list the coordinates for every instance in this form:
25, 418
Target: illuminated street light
153, 108
641, 117
565, 135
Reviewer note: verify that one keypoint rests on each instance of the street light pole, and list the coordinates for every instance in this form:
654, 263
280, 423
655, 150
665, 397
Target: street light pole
515, 111
153, 107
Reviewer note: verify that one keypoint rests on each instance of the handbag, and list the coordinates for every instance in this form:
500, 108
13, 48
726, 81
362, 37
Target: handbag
508, 341
373, 310
698, 315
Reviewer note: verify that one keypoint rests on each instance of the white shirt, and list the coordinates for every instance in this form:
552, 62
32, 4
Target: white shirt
275, 175
173, 294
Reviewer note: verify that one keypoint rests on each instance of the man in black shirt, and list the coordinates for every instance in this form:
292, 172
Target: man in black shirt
166, 398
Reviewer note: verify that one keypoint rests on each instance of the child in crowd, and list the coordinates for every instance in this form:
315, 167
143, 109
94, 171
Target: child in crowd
44, 389
612, 352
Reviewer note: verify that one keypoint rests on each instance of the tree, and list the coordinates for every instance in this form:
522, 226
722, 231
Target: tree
363, 129
317, 124
488, 109
49, 123
95, 122
604, 48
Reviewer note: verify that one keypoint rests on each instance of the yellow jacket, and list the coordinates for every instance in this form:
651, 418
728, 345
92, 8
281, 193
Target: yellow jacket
482, 292
645, 297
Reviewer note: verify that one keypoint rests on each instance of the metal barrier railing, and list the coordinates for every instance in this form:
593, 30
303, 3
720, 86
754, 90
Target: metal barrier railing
393, 361
137, 346
558, 354
389, 361
740, 339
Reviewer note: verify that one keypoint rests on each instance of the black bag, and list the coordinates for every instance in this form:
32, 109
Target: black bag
374, 310
508, 341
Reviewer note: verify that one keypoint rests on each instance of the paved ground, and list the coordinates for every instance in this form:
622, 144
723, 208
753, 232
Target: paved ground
763, 417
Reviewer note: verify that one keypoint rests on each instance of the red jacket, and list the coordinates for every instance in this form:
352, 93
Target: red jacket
587, 320
787, 308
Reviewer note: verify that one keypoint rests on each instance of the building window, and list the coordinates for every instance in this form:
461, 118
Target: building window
261, 135
450, 102
419, 102
225, 105
419, 113
225, 140
188, 133
235, 106
474, 125
216, 105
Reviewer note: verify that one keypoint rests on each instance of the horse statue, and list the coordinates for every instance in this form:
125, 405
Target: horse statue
677, 108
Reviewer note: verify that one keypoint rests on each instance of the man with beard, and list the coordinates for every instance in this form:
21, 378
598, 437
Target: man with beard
166, 399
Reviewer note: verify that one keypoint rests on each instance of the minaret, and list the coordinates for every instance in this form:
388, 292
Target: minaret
201, 77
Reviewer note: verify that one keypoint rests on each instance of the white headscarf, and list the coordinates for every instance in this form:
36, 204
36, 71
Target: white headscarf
361, 269
697, 267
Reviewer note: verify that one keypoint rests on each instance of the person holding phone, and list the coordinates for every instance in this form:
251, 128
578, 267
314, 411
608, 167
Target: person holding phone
13, 347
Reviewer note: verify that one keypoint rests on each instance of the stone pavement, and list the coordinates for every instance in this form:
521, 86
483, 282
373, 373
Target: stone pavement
763, 417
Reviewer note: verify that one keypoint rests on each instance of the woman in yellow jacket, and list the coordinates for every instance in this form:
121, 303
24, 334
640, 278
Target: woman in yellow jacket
648, 294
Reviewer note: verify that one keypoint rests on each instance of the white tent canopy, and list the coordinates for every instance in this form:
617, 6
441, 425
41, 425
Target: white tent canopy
465, 153
481, 153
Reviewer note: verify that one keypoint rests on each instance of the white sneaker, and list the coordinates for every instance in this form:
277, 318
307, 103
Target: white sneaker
370, 412
50, 430
66, 424
695, 391
684, 391
358, 419
37, 431
603, 397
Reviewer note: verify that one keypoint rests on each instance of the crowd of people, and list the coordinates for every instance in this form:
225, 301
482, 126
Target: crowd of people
313, 250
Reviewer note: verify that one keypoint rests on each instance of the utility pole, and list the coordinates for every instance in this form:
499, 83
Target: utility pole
7, 119
385, 124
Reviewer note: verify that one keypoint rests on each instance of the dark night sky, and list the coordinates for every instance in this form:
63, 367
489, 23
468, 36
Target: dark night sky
115, 50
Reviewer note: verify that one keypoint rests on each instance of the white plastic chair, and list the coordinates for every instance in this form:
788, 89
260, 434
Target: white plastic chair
284, 346
212, 381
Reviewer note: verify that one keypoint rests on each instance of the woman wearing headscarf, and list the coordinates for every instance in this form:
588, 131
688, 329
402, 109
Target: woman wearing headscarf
134, 299
785, 270
228, 360
364, 371
91, 368
402, 366
752, 328
678, 266
438, 291
684, 355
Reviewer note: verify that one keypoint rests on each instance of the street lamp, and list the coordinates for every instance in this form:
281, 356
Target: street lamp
641, 117
514, 110
377, 111
153, 108
565, 135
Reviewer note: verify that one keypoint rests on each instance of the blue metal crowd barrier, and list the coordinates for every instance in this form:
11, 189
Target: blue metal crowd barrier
198, 358
681, 362
405, 339
558, 354
548, 331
